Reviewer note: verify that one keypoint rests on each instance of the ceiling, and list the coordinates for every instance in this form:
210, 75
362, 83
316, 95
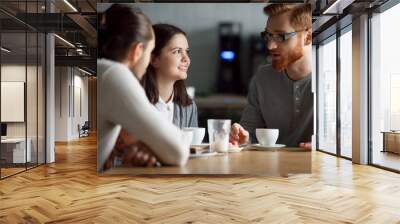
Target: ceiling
73, 20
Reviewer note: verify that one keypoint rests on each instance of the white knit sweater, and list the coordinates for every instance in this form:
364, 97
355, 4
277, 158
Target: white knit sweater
122, 102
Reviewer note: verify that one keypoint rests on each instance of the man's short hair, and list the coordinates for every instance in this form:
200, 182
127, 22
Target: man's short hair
300, 14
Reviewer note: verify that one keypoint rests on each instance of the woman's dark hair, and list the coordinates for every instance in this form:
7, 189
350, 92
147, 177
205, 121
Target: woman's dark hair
119, 27
163, 34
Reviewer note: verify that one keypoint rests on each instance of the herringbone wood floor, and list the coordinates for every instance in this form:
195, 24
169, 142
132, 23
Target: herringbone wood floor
70, 191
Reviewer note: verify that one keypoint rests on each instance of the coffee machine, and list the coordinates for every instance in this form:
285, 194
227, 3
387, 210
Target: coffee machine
229, 70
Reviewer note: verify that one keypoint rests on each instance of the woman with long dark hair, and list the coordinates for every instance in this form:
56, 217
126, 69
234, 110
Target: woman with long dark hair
126, 39
164, 81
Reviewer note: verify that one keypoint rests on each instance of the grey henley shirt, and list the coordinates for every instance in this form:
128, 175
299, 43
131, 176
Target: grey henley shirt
276, 101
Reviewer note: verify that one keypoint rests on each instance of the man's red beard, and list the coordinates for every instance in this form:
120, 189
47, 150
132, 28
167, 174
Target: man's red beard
285, 60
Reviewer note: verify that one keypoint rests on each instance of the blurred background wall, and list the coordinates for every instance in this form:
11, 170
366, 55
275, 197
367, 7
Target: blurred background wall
200, 21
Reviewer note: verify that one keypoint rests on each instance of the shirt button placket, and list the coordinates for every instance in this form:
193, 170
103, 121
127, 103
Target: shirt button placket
297, 100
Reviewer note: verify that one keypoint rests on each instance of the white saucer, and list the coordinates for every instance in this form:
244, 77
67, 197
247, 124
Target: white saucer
203, 154
261, 147
202, 145
235, 149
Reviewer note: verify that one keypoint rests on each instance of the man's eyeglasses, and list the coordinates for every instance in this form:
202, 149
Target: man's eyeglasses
280, 37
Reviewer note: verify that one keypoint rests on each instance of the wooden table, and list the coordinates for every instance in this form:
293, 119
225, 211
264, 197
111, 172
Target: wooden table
279, 162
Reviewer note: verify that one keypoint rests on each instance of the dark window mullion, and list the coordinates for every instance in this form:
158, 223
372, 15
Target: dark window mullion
369, 90
44, 71
37, 90
26, 87
317, 95
338, 97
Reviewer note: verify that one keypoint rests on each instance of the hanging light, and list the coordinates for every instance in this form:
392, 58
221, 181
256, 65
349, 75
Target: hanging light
70, 5
65, 41
5, 50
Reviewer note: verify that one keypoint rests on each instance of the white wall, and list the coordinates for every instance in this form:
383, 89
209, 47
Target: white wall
17, 73
12, 100
79, 117
69, 85
33, 127
14, 72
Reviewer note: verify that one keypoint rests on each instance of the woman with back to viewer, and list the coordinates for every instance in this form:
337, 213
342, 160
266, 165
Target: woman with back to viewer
126, 40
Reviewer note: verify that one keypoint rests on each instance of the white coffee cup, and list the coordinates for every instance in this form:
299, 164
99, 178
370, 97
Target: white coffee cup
267, 137
198, 134
187, 136
191, 91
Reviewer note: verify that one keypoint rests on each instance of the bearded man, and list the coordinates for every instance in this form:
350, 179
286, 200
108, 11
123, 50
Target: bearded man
280, 95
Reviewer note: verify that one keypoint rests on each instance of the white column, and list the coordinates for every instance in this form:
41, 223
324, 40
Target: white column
50, 106
50, 91
360, 90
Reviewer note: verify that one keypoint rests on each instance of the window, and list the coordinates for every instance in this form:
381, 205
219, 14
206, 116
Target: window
327, 96
22, 76
385, 89
346, 93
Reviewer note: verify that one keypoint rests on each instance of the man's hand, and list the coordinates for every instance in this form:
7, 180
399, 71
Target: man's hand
132, 152
305, 145
238, 135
